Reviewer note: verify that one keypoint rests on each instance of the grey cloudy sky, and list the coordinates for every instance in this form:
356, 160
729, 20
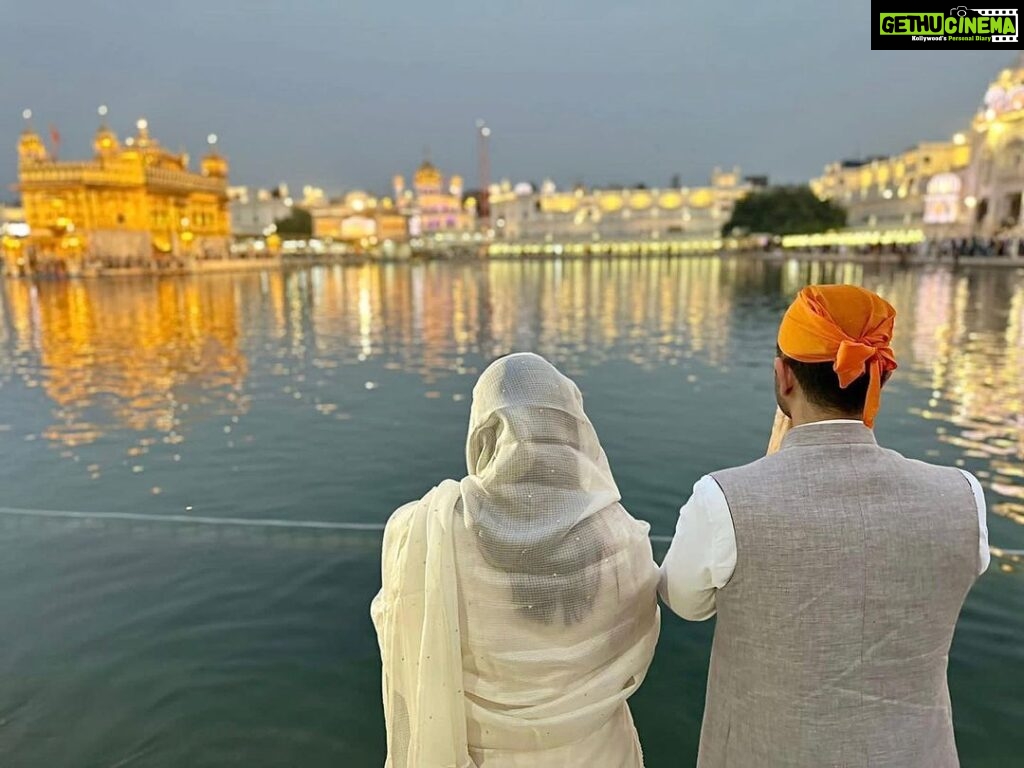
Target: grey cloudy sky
344, 93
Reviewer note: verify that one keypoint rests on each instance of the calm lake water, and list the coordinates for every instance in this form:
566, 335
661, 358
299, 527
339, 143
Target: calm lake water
337, 394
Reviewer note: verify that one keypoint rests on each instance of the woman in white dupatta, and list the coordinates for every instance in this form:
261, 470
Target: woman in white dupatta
518, 611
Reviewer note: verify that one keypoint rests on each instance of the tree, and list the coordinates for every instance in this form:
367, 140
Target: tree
794, 210
298, 224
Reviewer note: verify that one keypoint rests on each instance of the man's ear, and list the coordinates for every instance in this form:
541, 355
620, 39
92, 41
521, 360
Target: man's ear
784, 376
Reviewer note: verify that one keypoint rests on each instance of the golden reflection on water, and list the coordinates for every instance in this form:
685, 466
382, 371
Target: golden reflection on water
428, 319
130, 356
147, 356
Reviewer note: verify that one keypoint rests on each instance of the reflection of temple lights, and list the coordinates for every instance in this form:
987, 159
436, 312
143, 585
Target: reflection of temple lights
961, 338
187, 338
365, 317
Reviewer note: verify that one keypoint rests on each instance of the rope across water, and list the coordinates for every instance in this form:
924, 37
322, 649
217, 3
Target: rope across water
271, 523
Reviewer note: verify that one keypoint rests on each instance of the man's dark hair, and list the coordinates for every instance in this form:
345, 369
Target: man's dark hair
820, 384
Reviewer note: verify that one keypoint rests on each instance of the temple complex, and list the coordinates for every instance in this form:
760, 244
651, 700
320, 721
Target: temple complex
133, 204
360, 220
969, 186
432, 207
520, 212
891, 192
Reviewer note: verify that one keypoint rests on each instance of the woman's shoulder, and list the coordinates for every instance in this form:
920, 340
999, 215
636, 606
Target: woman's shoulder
446, 489
618, 515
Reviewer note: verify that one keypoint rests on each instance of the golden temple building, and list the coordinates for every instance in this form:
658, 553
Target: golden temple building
133, 205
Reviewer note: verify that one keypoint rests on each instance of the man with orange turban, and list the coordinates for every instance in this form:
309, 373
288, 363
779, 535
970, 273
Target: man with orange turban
837, 568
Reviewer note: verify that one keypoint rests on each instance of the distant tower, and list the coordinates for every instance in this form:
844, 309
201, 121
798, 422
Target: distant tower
484, 167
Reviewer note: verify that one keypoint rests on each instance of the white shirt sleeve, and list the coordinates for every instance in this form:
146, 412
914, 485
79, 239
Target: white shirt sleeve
984, 555
702, 556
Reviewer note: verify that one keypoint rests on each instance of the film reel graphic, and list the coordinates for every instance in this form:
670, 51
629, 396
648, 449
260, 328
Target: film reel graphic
1001, 12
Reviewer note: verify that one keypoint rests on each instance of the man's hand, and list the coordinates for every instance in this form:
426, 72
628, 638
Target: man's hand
780, 428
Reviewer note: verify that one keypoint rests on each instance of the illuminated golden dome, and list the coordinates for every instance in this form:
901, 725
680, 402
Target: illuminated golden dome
609, 201
640, 200
701, 198
670, 200
31, 147
105, 143
427, 175
214, 164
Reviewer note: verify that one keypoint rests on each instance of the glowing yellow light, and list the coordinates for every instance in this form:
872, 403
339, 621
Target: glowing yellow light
640, 200
142, 124
701, 198
959, 138
990, 114
970, 201
558, 204
889, 237
670, 200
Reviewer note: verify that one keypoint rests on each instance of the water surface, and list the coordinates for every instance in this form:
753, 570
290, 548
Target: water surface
337, 394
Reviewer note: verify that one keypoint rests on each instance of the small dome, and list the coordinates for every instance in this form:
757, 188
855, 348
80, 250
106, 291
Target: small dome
214, 164
31, 146
427, 175
105, 142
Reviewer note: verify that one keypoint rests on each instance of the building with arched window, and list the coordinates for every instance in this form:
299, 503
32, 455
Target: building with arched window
889, 192
520, 212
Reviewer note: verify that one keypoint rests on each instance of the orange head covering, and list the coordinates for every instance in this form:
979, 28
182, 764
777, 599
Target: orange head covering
845, 325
